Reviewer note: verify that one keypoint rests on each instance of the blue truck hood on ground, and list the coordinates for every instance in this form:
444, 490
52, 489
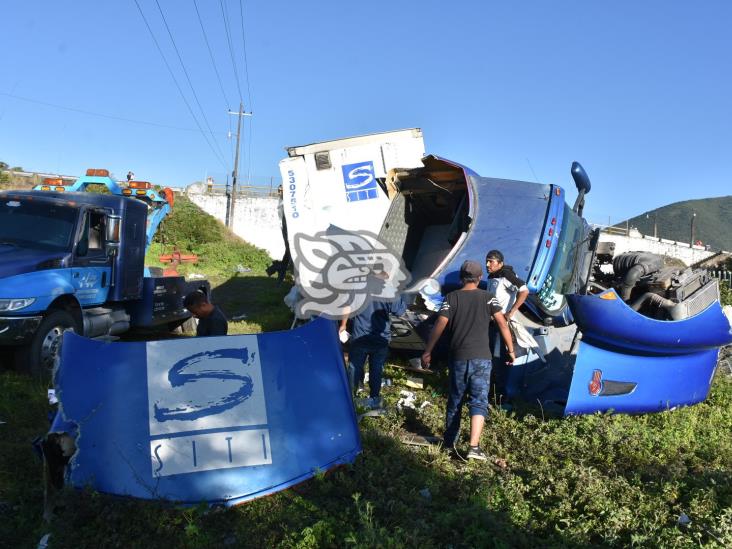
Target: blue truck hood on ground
215, 419
15, 260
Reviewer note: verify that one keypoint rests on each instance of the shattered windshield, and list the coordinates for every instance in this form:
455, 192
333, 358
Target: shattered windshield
563, 274
36, 225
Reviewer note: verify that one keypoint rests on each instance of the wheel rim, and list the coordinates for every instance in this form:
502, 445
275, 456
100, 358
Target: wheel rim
51, 345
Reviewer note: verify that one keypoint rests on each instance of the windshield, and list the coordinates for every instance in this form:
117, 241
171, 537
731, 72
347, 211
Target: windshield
36, 225
562, 277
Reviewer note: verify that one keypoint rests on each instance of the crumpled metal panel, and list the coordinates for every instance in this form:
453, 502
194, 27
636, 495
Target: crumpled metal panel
217, 419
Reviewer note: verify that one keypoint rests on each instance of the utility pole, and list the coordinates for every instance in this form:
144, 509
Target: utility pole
655, 224
691, 239
232, 203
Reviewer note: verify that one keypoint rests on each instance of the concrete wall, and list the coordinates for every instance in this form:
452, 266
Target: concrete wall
255, 219
644, 243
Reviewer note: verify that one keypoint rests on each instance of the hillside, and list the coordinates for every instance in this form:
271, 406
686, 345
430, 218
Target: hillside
713, 224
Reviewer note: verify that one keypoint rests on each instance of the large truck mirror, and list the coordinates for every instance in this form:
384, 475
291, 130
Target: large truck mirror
581, 180
114, 224
112, 236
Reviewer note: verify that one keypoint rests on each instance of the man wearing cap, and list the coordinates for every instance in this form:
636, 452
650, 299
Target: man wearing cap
510, 292
466, 313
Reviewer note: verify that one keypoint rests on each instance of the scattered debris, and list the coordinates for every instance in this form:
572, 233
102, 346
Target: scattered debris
43, 544
420, 440
414, 365
52, 398
372, 413
240, 316
501, 463
425, 404
196, 276
407, 400
425, 493
241, 269
414, 382
684, 519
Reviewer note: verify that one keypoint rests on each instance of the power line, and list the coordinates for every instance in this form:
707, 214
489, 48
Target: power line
99, 114
175, 81
218, 76
249, 91
246, 64
231, 49
210, 53
188, 78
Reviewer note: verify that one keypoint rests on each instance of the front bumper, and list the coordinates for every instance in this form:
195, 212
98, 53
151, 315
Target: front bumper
16, 330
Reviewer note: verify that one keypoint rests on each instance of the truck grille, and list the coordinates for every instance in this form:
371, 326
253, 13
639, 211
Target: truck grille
702, 299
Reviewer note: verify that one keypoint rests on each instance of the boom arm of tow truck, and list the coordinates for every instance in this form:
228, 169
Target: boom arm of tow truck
159, 204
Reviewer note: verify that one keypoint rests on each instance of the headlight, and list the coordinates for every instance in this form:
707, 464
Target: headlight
15, 304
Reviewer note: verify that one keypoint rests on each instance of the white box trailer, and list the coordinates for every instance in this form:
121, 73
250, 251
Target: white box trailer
342, 182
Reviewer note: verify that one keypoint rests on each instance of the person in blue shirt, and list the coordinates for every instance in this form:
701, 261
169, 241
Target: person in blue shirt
370, 336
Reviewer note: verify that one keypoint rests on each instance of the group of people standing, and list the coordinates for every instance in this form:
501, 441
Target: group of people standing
477, 323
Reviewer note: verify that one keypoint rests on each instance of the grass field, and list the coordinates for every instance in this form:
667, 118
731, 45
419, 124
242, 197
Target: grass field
584, 481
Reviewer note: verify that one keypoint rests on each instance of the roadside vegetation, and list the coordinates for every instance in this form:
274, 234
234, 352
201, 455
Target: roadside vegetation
584, 481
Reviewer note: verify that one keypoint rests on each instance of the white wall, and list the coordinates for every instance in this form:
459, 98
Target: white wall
255, 219
642, 243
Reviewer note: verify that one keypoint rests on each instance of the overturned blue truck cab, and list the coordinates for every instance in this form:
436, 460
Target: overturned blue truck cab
642, 338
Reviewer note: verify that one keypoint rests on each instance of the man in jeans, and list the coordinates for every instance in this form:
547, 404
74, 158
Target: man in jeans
370, 336
467, 315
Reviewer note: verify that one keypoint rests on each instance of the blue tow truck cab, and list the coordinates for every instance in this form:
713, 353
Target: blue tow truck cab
73, 259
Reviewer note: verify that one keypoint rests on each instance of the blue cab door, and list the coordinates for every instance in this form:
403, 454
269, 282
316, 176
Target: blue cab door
91, 269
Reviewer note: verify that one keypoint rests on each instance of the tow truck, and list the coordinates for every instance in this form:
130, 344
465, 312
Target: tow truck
74, 259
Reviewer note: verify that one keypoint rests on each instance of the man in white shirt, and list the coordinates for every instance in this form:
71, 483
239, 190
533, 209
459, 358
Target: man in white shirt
510, 292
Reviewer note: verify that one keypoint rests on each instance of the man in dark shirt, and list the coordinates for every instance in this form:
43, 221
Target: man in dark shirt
211, 321
467, 315
370, 336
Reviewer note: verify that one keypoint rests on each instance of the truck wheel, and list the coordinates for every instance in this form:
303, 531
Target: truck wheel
41, 354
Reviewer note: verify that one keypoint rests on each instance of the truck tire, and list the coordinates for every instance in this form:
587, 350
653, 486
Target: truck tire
40, 355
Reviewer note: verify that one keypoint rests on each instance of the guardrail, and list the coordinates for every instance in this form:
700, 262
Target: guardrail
260, 191
725, 276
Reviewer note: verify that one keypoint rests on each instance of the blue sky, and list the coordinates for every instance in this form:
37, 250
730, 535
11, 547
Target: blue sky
639, 92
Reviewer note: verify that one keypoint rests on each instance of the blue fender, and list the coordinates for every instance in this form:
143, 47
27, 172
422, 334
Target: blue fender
607, 321
45, 286
605, 380
217, 419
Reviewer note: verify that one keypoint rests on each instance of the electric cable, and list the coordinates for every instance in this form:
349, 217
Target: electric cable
210, 53
99, 114
231, 49
175, 81
249, 93
188, 78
